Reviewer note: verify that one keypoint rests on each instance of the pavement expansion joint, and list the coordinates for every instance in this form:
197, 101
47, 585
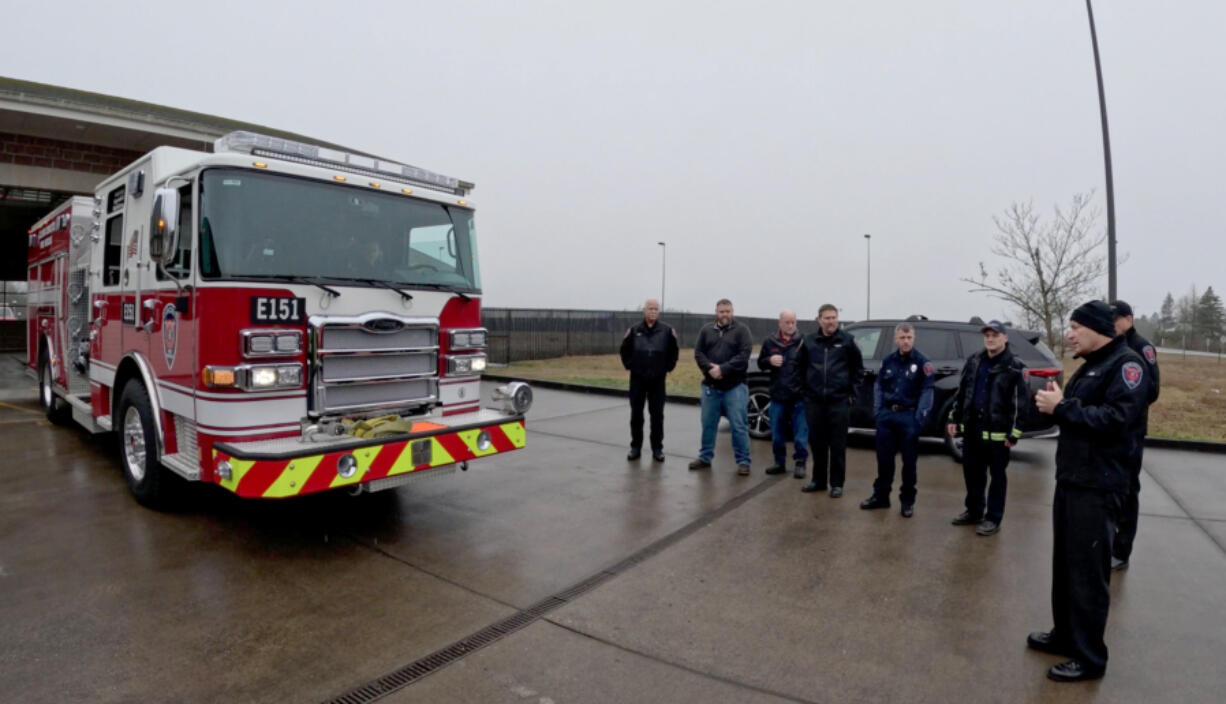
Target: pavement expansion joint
422, 667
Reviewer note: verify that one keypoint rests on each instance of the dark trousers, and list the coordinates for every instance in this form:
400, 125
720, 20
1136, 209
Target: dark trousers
651, 391
1084, 522
897, 431
979, 459
1132, 504
828, 439
788, 423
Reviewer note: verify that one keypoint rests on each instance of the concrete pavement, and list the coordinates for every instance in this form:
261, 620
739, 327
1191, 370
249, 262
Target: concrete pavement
781, 597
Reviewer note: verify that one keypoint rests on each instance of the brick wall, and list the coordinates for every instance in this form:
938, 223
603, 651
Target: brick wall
58, 154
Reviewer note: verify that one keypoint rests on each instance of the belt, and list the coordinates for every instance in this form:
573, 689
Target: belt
896, 407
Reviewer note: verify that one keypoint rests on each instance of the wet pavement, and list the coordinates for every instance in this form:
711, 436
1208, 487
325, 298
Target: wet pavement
745, 589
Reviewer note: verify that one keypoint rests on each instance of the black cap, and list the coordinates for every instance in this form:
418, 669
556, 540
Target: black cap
994, 325
1096, 315
1121, 308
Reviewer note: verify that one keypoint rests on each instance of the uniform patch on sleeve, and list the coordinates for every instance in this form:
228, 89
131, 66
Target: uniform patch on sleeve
1132, 374
1150, 355
928, 368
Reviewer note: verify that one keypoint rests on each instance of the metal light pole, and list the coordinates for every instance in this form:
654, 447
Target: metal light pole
868, 276
1102, 109
663, 251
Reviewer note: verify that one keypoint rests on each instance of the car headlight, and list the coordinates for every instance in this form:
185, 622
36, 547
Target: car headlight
271, 343
260, 344
468, 339
263, 377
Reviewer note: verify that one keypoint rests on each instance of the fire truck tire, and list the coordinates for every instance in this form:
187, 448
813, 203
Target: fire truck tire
149, 481
57, 411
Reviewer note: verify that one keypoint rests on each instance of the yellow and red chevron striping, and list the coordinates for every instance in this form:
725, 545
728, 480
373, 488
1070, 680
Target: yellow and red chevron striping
281, 478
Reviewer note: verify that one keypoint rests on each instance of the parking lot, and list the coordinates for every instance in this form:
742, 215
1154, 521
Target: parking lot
611, 581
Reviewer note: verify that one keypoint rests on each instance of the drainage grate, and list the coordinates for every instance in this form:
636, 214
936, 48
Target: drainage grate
416, 670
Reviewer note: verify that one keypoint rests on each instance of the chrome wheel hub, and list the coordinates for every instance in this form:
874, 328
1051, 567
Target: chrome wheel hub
134, 443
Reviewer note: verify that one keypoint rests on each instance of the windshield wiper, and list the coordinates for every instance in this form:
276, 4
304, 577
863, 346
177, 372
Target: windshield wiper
448, 289
404, 295
295, 279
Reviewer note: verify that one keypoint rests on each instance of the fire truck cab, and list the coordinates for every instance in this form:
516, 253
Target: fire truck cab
275, 317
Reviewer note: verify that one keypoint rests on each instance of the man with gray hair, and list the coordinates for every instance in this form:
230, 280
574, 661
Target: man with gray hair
787, 408
649, 351
902, 399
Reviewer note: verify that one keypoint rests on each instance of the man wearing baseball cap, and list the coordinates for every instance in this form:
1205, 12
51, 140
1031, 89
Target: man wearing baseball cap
1121, 550
1096, 414
991, 395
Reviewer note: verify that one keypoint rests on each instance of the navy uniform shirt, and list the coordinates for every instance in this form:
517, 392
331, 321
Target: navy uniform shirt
905, 381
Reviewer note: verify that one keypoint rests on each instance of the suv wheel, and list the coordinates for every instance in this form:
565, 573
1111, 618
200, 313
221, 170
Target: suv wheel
759, 412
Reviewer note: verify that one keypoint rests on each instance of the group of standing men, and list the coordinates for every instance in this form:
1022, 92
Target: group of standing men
1102, 415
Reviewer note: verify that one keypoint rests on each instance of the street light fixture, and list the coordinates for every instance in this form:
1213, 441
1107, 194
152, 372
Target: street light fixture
663, 249
868, 276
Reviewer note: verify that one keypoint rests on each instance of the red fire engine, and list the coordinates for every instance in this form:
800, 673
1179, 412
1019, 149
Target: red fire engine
275, 317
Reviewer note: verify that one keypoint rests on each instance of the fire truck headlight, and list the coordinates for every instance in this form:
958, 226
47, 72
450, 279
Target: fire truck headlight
466, 364
260, 344
224, 470
289, 375
484, 441
468, 339
289, 344
263, 377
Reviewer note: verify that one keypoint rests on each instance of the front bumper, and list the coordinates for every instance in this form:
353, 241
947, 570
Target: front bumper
274, 469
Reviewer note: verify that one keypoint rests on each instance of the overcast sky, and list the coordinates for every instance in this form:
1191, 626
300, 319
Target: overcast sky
759, 140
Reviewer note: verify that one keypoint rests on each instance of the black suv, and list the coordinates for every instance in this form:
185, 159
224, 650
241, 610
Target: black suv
946, 344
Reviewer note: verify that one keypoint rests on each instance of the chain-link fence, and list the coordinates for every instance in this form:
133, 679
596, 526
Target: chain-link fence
518, 334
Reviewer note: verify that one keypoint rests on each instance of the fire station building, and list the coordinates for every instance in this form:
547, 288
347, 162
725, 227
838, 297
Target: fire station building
58, 142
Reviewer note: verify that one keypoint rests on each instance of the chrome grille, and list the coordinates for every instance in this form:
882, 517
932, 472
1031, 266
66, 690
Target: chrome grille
373, 362
185, 437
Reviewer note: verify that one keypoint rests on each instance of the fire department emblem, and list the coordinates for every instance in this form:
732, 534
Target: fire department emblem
1132, 374
1150, 355
170, 334
928, 368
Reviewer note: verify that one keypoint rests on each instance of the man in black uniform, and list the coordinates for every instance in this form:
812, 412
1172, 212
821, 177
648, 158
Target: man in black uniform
649, 351
787, 409
1122, 549
1096, 415
991, 395
831, 367
902, 399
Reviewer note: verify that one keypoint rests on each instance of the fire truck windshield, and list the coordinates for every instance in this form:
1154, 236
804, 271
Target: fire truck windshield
259, 224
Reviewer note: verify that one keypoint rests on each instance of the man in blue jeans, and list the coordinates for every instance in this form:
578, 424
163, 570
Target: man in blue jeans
722, 353
902, 399
787, 409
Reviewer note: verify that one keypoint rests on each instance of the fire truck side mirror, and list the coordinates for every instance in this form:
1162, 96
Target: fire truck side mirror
164, 230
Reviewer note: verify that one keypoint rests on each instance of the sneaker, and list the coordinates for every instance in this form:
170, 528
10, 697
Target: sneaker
799, 472
657, 455
908, 510
836, 492
634, 454
742, 470
776, 469
699, 464
988, 527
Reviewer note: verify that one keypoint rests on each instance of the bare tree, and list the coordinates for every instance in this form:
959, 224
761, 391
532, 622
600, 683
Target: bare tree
1051, 266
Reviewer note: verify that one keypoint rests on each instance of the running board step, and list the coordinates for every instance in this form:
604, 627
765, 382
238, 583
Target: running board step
83, 415
182, 465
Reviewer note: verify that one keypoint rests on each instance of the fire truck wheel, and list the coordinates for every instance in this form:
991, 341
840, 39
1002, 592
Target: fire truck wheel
149, 481
57, 411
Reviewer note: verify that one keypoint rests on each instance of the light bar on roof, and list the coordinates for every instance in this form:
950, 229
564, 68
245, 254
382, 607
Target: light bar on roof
263, 145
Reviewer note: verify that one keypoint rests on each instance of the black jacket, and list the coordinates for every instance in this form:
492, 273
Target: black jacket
786, 380
649, 352
1142, 347
729, 348
1100, 407
1007, 391
832, 366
